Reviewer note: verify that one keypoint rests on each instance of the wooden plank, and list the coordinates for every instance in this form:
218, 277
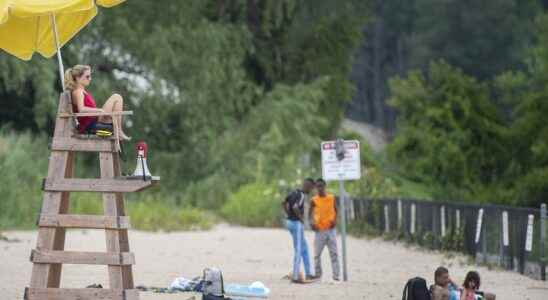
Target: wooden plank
116, 134
81, 294
82, 258
54, 279
63, 126
108, 185
95, 114
79, 144
49, 238
84, 221
91, 137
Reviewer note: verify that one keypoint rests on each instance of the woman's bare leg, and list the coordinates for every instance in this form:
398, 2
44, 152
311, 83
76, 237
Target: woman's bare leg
114, 103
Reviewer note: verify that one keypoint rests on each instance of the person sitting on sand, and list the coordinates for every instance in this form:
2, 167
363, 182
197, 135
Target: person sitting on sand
471, 287
471, 284
443, 288
77, 79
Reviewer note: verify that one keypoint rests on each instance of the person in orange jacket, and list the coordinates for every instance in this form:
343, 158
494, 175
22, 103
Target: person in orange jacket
323, 216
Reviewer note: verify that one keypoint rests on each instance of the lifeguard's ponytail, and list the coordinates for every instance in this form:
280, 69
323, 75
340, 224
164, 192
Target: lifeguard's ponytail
72, 73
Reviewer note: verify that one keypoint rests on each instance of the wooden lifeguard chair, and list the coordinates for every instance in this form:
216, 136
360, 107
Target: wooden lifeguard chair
49, 256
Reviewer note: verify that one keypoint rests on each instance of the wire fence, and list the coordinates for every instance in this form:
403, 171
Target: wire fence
510, 237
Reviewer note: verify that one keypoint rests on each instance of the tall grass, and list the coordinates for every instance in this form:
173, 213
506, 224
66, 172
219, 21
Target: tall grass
23, 165
150, 214
254, 204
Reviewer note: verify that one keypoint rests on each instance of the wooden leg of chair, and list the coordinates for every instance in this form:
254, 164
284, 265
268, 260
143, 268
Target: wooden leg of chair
120, 277
123, 239
49, 275
115, 127
59, 238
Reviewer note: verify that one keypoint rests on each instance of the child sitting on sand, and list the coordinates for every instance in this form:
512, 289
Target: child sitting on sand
470, 286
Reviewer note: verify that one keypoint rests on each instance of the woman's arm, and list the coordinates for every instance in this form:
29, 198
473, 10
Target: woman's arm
78, 98
311, 216
464, 294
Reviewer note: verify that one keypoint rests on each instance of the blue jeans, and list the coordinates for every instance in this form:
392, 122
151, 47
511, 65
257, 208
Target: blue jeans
300, 248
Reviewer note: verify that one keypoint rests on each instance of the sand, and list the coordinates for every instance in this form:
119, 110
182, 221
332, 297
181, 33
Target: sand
377, 269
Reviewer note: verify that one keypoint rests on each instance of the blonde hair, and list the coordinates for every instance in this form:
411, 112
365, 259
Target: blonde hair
72, 73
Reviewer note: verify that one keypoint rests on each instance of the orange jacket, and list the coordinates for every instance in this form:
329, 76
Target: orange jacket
324, 214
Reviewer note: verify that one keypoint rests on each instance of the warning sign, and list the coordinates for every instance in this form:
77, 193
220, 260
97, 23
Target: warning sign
346, 169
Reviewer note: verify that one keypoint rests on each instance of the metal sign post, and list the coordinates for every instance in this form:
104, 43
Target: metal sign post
343, 229
340, 152
341, 161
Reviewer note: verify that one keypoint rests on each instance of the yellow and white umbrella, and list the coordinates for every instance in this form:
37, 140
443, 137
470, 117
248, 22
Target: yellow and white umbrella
28, 26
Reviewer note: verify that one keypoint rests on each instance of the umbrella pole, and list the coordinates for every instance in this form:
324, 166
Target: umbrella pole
59, 58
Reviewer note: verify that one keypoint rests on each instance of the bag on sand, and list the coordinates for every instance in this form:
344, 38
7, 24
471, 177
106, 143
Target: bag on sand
416, 289
213, 283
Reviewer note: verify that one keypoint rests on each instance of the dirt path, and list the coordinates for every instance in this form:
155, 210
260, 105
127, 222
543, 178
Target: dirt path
375, 137
377, 269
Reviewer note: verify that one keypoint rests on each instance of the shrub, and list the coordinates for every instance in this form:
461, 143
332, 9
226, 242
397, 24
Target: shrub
254, 204
151, 214
23, 161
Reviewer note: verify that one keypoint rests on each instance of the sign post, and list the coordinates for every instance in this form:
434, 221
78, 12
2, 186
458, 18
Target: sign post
341, 161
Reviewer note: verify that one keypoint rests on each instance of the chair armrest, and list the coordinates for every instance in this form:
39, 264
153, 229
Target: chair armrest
95, 114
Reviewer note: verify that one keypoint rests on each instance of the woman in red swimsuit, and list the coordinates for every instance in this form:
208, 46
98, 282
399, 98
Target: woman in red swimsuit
77, 79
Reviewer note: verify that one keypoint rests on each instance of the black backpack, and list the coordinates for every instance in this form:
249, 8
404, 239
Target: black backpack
416, 289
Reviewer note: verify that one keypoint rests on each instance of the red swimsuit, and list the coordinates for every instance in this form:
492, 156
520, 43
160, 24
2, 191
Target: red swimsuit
85, 122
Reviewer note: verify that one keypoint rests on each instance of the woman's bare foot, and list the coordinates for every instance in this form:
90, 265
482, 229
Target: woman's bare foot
124, 137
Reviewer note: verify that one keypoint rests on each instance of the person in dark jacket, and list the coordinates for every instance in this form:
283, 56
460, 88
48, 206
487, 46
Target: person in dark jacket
294, 208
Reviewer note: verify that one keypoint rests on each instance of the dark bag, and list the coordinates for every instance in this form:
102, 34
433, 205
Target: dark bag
104, 126
213, 297
416, 289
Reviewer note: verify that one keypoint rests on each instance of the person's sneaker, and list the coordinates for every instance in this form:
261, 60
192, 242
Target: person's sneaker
298, 281
312, 277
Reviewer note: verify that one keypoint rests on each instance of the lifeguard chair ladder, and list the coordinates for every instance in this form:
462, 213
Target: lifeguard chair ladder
49, 256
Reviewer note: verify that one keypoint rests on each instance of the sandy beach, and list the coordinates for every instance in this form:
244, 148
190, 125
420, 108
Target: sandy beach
377, 269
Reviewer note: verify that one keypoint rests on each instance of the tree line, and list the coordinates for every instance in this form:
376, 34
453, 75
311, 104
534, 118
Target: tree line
232, 92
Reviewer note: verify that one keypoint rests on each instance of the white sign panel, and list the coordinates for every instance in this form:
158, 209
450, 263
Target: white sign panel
505, 236
348, 168
413, 213
457, 218
478, 225
442, 214
400, 213
529, 236
386, 219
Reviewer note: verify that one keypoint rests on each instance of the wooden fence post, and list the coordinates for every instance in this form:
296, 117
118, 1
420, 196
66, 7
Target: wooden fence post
442, 220
413, 218
386, 219
542, 243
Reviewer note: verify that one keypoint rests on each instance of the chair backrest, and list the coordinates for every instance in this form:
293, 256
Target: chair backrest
65, 106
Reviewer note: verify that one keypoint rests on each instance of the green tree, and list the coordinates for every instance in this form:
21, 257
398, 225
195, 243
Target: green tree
239, 92
483, 38
27, 93
526, 96
450, 134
